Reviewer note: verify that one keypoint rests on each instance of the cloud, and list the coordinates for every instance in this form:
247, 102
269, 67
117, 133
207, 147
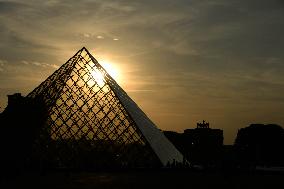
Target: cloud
189, 28
100, 37
87, 35
3, 62
40, 64
7, 7
2, 65
208, 53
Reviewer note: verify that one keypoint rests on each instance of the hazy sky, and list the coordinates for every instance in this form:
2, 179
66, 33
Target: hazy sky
182, 61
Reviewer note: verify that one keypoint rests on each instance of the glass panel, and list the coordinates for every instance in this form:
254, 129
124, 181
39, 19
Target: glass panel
87, 119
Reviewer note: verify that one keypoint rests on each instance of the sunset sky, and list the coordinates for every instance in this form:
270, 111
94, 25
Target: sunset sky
182, 61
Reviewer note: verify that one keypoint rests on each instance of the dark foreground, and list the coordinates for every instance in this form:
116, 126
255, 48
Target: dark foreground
145, 179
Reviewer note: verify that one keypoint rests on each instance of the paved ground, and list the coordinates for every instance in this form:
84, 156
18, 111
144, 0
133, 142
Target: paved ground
146, 179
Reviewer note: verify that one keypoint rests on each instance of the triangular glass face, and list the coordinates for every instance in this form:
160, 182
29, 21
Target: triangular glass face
88, 108
86, 120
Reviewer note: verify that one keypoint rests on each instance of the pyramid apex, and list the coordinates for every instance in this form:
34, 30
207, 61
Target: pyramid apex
84, 48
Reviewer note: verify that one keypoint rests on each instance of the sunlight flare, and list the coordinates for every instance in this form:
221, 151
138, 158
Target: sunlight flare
110, 69
99, 77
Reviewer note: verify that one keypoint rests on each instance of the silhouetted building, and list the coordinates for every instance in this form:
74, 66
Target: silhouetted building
260, 144
19, 125
202, 135
15, 100
205, 144
201, 145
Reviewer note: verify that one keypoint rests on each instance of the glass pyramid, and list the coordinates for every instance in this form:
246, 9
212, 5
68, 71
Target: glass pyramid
91, 119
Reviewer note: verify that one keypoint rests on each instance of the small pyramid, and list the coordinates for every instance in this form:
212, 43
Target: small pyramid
87, 109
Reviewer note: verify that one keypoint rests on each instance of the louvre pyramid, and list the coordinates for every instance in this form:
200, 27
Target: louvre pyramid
85, 105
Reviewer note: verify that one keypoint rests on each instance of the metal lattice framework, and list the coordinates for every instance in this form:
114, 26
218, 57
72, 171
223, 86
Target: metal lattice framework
86, 108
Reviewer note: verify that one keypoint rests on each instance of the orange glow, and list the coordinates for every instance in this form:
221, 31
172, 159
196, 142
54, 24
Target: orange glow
111, 69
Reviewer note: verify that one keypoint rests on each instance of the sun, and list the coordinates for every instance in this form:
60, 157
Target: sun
98, 77
110, 69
